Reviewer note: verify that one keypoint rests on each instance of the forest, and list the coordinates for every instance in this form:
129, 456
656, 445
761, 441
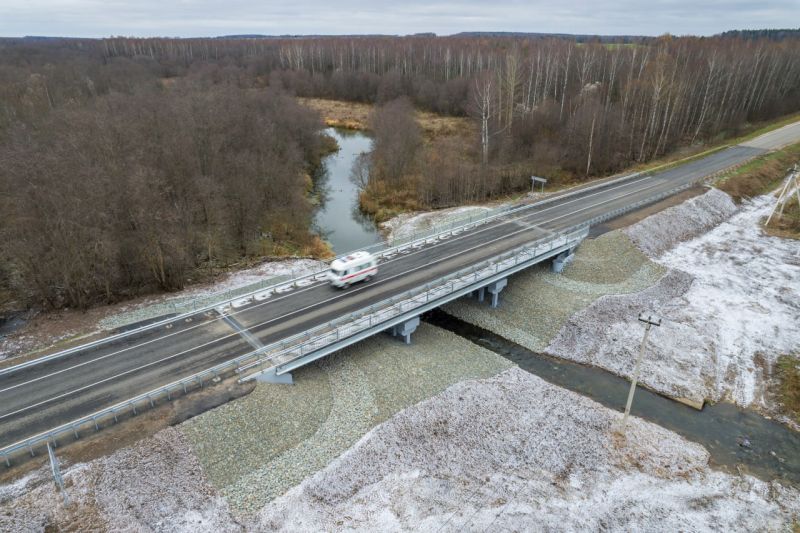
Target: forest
135, 165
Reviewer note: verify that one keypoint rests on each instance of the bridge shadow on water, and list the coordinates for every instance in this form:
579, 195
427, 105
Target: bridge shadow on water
733, 436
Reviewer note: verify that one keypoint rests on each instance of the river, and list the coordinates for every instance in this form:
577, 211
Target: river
338, 219
734, 437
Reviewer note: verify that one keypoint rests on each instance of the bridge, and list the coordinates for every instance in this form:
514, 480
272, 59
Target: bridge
269, 333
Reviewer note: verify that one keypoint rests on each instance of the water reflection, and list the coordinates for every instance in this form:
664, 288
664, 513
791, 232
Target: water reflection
338, 219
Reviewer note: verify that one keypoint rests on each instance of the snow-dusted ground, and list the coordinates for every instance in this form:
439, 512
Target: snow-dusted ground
407, 224
656, 234
238, 282
155, 485
516, 453
730, 305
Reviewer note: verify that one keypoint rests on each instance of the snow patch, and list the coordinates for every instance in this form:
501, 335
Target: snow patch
661, 231
155, 485
729, 302
513, 450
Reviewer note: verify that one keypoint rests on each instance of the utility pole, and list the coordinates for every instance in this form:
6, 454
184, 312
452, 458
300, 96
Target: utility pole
56, 470
649, 320
786, 193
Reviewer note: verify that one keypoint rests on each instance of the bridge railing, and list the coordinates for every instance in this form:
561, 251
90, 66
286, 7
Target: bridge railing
306, 343
285, 352
291, 348
244, 295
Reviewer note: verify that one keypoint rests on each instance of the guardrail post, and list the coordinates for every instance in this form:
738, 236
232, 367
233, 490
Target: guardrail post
96, 427
8, 462
75, 431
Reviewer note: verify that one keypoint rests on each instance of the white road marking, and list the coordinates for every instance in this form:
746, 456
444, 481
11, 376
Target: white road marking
382, 280
279, 291
377, 282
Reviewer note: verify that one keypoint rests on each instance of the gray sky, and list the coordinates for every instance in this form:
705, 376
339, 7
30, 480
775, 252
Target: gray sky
197, 18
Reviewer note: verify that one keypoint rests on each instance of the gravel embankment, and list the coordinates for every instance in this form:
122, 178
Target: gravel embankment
662, 231
155, 485
729, 306
537, 302
513, 450
257, 447
607, 334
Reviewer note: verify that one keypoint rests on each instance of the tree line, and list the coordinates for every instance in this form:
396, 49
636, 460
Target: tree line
114, 186
128, 165
550, 105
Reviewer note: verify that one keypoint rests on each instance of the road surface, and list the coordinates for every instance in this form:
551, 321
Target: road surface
46, 395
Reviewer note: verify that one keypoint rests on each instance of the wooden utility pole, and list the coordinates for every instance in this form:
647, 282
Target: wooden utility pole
649, 320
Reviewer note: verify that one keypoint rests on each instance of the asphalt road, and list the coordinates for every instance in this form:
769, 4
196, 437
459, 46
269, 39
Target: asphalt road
52, 393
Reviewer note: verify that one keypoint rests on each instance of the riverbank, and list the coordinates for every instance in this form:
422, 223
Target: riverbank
478, 450
220, 468
723, 329
508, 451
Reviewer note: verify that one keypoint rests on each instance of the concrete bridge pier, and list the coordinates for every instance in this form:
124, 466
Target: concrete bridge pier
271, 376
562, 259
405, 329
494, 289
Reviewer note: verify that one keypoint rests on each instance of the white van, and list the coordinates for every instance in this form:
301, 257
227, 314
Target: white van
358, 266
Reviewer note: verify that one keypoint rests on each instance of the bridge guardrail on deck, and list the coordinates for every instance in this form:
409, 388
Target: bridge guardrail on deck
391, 307
207, 303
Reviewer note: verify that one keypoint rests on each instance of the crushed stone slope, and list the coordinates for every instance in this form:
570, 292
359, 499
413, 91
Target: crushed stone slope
480, 455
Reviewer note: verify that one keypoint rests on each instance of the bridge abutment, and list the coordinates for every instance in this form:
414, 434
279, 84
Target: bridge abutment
271, 376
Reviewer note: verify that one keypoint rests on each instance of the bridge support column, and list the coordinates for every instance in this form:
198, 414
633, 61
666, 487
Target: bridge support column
495, 288
271, 376
562, 259
405, 329
481, 294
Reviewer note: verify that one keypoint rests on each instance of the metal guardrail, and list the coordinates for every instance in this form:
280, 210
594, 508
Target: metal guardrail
283, 353
390, 307
248, 360
207, 303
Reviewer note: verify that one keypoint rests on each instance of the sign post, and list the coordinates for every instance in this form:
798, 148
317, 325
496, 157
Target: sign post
535, 180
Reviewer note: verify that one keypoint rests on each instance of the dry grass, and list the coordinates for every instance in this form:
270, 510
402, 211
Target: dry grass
339, 114
355, 116
382, 202
761, 175
789, 385
786, 226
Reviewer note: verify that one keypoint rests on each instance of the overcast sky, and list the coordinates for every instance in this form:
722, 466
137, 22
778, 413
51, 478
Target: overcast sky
197, 18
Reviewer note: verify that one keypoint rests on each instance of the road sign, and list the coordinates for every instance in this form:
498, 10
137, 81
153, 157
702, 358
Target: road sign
537, 179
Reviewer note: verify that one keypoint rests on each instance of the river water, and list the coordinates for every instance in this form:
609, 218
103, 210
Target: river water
734, 437
338, 219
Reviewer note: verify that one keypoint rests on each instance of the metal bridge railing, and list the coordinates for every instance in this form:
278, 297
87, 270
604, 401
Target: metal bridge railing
300, 345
